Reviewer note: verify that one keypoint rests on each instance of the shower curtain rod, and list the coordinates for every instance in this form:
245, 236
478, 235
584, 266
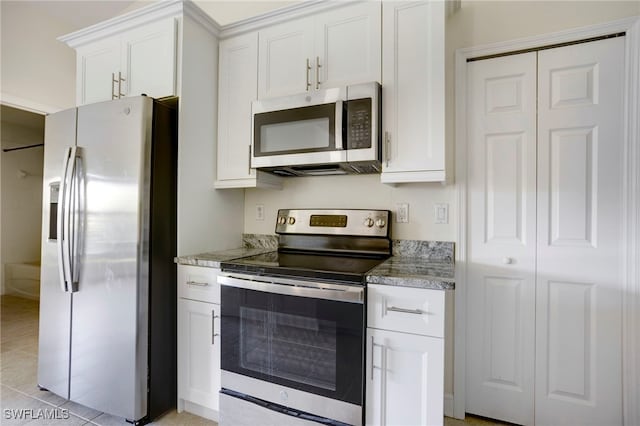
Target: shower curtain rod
23, 147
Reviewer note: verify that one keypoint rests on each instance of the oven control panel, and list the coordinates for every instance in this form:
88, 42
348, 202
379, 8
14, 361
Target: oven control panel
369, 223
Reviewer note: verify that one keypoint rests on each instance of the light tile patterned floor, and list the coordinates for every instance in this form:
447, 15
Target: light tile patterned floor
19, 393
22, 403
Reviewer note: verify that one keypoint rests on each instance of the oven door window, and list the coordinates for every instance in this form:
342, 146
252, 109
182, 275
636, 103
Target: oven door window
308, 344
296, 130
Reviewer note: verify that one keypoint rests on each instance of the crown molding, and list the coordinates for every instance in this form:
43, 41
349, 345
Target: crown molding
153, 12
283, 14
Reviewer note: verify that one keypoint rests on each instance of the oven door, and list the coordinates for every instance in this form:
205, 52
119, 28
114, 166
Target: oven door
306, 339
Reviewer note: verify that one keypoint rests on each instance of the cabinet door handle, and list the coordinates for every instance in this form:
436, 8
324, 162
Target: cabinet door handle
372, 346
213, 326
120, 80
405, 311
249, 166
199, 284
113, 86
387, 147
318, 72
308, 77
383, 385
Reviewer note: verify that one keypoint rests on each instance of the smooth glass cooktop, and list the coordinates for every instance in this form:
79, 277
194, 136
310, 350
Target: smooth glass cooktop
307, 266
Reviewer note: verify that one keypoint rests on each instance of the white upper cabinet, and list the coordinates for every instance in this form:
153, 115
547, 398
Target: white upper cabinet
237, 88
329, 49
97, 64
413, 81
347, 46
149, 59
134, 62
285, 58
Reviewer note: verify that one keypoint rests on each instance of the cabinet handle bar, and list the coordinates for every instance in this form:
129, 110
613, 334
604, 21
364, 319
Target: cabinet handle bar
405, 311
199, 284
318, 72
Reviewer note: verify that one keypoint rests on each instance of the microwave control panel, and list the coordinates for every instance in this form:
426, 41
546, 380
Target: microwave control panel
359, 123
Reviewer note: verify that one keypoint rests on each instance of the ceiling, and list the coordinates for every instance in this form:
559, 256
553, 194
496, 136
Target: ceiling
83, 13
79, 14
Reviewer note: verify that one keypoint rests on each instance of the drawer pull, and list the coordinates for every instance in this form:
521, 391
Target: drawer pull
197, 283
405, 311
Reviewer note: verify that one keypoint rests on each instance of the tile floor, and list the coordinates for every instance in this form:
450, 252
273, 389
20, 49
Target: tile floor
22, 403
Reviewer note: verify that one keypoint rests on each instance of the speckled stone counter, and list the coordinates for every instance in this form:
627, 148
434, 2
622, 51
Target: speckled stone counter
421, 264
213, 259
252, 244
414, 272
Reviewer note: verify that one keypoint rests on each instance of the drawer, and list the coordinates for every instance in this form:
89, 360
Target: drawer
406, 309
198, 283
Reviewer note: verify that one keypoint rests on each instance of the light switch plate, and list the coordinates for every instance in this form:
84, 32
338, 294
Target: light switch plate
441, 214
402, 213
259, 211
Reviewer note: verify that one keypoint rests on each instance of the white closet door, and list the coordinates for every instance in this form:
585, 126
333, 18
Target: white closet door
580, 166
501, 264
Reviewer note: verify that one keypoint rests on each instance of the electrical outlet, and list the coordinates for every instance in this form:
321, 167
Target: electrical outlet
441, 213
259, 212
402, 213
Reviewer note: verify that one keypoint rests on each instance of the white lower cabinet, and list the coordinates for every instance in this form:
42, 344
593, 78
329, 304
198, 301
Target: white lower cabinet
404, 371
198, 352
405, 380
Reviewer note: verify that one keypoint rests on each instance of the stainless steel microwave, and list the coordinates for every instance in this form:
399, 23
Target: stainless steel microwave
328, 132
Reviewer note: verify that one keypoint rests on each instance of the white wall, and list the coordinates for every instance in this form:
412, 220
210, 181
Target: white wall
358, 191
208, 219
38, 72
21, 205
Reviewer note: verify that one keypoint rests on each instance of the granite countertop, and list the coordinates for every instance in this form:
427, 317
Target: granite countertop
420, 264
213, 259
252, 244
412, 271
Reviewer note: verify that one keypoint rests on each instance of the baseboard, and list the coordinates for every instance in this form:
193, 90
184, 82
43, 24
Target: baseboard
201, 411
448, 404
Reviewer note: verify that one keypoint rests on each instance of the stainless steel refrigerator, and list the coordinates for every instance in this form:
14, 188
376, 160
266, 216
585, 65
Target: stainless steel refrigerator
107, 337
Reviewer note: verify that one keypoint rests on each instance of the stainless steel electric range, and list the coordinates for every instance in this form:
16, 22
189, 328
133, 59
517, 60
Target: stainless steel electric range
293, 321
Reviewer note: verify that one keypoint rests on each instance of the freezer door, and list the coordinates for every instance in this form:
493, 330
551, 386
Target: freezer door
109, 340
55, 303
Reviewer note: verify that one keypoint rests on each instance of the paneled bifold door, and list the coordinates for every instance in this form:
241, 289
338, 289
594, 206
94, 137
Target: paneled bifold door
545, 212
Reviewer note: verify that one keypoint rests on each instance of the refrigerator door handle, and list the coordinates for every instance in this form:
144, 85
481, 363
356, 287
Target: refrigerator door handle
75, 226
62, 221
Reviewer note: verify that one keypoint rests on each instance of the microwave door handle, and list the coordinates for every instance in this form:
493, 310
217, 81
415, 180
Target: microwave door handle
340, 113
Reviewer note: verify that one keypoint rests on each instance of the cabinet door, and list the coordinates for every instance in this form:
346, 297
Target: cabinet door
95, 67
348, 46
405, 379
285, 52
199, 352
413, 91
238, 87
149, 59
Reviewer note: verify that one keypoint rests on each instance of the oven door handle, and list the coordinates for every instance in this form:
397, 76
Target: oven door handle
310, 289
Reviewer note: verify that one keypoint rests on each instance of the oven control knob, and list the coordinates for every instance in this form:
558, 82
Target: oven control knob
368, 222
292, 220
282, 220
380, 223
284, 396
